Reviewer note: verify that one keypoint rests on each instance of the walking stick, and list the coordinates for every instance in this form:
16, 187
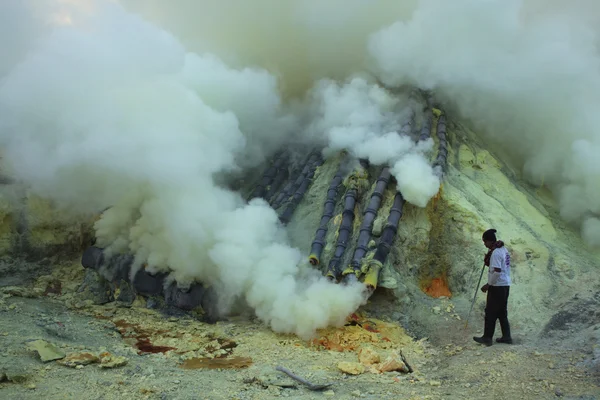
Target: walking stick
475, 296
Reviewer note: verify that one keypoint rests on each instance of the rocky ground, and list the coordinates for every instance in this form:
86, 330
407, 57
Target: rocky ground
57, 345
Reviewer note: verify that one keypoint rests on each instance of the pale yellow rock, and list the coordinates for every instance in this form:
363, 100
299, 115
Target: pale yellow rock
108, 360
46, 351
351, 368
368, 356
49, 226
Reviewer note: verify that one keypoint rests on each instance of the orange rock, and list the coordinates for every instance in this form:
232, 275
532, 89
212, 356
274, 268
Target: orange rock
393, 363
438, 288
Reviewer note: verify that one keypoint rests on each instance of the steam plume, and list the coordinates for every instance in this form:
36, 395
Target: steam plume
363, 118
525, 72
111, 111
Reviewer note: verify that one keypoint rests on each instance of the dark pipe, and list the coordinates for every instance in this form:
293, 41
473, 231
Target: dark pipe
117, 268
389, 231
185, 300
282, 174
385, 243
442, 156
318, 243
92, 257
147, 284
368, 217
306, 179
344, 233
268, 176
287, 190
426, 128
112, 269
406, 128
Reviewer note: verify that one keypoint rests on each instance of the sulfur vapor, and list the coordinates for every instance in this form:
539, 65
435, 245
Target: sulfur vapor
525, 73
366, 120
112, 111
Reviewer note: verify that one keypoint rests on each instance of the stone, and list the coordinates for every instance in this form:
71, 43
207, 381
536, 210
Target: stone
126, 294
74, 359
368, 356
17, 375
46, 351
19, 291
351, 368
393, 363
95, 288
108, 360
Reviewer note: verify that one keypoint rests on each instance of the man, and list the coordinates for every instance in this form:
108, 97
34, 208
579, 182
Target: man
497, 288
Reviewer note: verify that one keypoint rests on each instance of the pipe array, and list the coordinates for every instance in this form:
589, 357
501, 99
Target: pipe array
366, 226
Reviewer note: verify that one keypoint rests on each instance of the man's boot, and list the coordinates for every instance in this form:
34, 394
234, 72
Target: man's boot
488, 331
483, 340
506, 337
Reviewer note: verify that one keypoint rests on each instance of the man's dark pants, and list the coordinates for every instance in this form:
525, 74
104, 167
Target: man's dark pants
496, 309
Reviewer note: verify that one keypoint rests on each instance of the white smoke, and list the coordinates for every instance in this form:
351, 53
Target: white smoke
527, 73
299, 40
112, 111
365, 119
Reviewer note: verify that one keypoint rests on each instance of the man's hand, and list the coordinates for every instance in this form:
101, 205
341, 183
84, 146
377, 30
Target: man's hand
485, 288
